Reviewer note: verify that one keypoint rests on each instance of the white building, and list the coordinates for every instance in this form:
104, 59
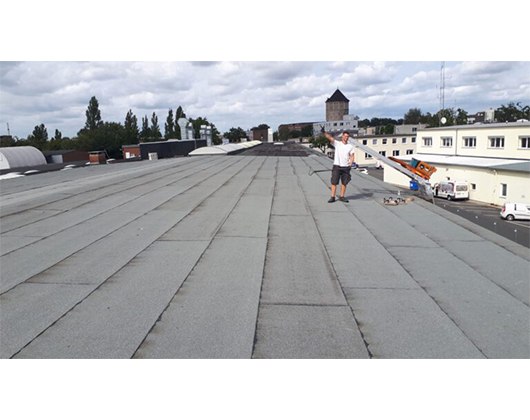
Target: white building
386, 145
349, 123
408, 128
494, 159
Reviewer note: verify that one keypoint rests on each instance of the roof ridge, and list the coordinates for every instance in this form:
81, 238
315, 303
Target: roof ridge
337, 96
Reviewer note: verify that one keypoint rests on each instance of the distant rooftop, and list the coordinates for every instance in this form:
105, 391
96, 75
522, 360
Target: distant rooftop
479, 126
518, 165
337, 96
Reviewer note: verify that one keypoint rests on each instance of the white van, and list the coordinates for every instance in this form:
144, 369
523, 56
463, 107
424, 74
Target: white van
512, 211
452, 190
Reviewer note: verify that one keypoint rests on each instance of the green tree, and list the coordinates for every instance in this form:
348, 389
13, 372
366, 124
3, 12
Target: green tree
429, 119
55, 142
169, 127
196, 123
364, 123
387, 129
512, 112
39, 137
283, 133
110, 137
131, 128
320, 142
307, 130
461, 117
93, 115
155, 128
449, 115
145, 133
7, 141
412, 116
58, 135
178, 114
235, 134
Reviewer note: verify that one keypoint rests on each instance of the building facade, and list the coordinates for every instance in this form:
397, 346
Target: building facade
386, 145
494, 159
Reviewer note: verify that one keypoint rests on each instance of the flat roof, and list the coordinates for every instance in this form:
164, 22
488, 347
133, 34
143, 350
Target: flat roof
243, 257
518, 165
480, 126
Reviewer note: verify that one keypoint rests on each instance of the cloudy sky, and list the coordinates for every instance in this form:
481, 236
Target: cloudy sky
245, 94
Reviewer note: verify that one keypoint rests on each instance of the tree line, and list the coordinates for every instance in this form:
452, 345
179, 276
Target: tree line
111, 136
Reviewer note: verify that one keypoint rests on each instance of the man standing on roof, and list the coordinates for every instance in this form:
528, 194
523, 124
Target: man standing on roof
342, 164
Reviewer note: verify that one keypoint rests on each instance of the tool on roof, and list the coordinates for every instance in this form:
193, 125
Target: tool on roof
312, 171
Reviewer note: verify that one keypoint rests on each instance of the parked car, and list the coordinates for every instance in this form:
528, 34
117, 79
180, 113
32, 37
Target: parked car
452, 190
512, 211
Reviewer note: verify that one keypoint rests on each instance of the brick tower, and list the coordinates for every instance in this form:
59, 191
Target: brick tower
337, 106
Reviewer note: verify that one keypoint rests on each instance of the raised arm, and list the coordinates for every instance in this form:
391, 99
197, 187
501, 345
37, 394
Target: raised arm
328, 136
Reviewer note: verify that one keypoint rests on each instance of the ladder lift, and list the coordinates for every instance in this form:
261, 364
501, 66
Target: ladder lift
419, 172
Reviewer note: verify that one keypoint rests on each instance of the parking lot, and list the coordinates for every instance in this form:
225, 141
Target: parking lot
483, 215
488, 216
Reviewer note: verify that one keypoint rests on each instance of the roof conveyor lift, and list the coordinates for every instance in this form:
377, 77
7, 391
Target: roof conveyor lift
419, 172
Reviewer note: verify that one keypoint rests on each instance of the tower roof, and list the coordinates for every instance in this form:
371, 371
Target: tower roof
337, 96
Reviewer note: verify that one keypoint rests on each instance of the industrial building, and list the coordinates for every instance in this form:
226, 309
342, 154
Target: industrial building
494, 159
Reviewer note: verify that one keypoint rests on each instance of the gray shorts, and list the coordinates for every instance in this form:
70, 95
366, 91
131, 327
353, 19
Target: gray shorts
342, 173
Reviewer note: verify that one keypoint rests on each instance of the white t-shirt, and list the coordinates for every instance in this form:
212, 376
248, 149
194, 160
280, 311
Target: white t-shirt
342, 153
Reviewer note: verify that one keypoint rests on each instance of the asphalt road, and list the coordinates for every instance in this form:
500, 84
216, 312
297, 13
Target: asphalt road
488, 217
481, 214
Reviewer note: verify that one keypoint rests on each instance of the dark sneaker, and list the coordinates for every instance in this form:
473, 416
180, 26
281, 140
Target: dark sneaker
331, 200
344, 200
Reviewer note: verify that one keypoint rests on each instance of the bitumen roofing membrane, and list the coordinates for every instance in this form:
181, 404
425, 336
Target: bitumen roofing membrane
242, 256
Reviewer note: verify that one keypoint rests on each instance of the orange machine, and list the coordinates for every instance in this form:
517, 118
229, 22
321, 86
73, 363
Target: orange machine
417, 166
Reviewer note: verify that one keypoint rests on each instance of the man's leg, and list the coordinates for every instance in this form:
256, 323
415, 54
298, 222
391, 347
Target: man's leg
335, 175
345, 179
333, 190
342, 190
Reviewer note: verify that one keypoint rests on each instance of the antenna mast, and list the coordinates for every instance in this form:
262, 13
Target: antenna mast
442, 86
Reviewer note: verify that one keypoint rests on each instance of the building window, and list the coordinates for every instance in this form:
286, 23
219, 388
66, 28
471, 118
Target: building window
524, 142
394, 141
384, 141
374, 141
447, 141
341, 124
470, 142
496, 142
395, 152
382, 152
413, 140
414, 129
367, 156
334, 124
404, 140
410, 151
427, 141
504, 190
365, 142
473, 186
